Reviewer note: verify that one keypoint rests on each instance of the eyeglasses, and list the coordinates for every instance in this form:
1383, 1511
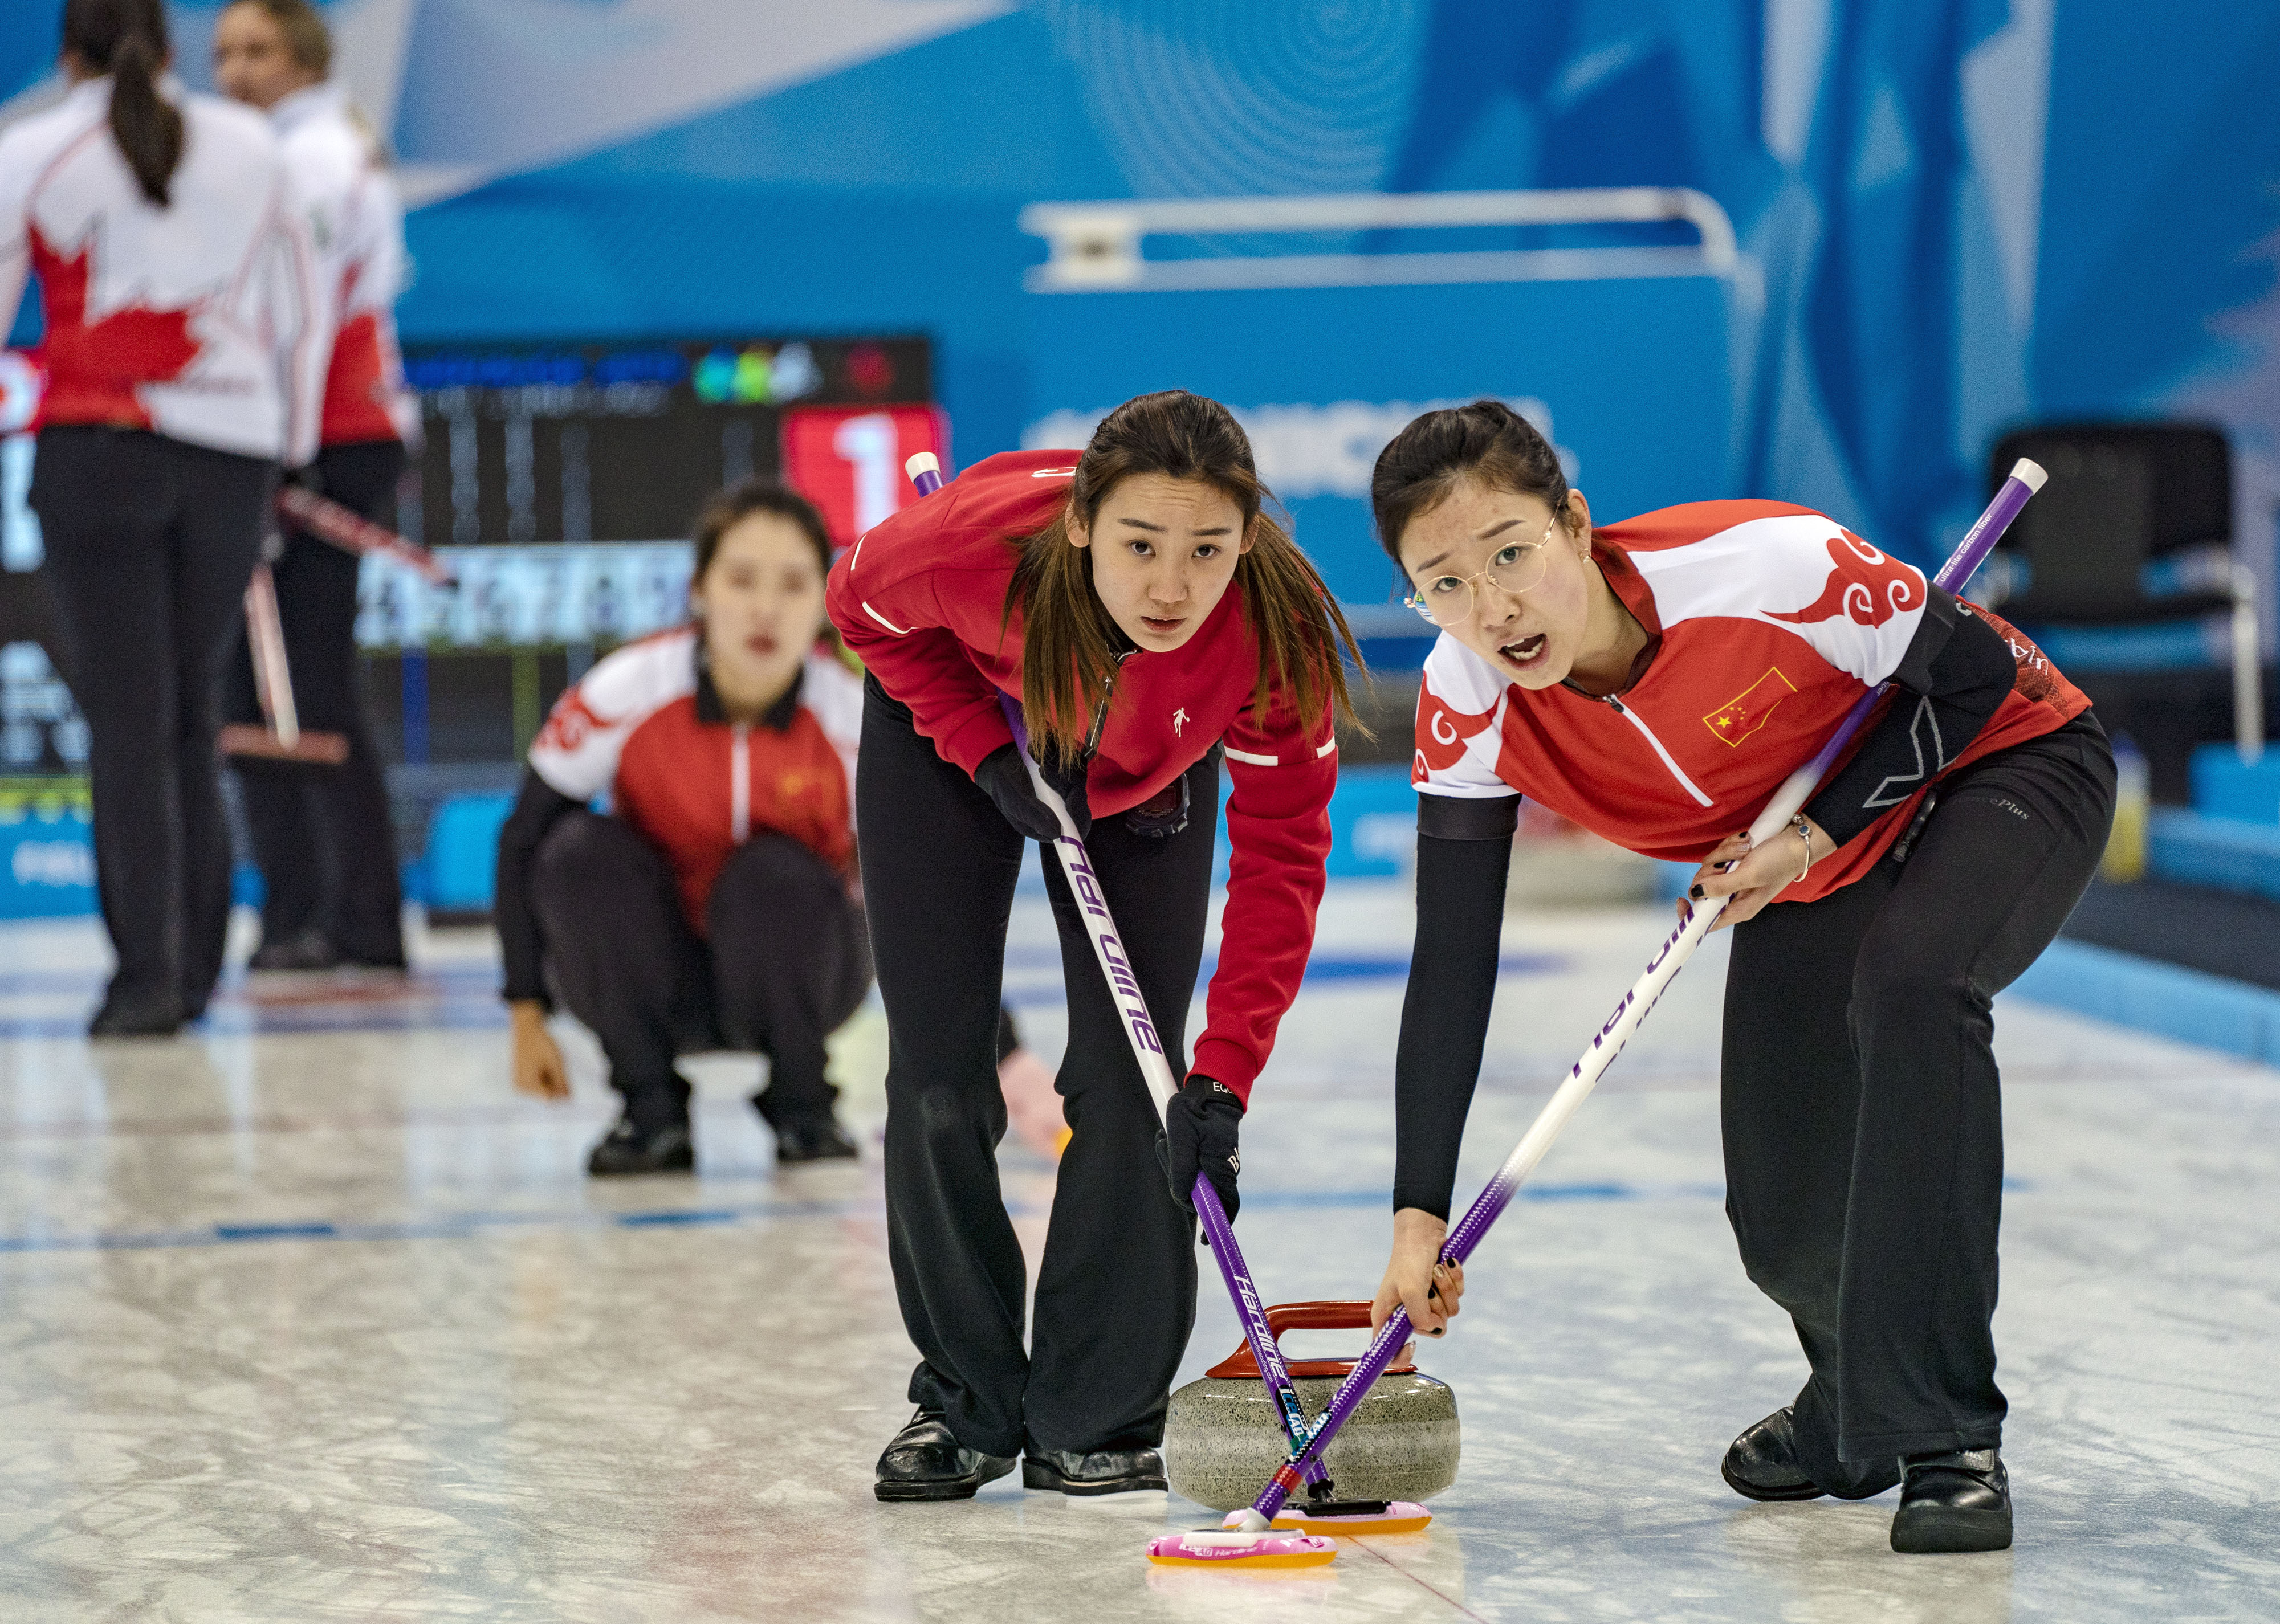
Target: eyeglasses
1448, 600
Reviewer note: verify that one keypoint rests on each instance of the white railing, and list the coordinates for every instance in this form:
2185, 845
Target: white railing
1097, 247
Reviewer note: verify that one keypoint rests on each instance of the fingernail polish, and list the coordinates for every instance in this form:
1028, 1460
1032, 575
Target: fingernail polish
1696, 893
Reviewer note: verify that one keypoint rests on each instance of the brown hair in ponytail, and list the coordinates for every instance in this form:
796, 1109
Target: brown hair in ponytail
1069, 653
127, 39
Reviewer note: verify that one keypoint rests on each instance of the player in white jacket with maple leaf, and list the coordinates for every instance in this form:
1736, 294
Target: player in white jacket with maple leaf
184, 355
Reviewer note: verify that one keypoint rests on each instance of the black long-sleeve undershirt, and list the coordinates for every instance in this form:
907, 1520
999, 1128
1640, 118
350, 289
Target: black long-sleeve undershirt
1953, 677
537, 808
1464, 855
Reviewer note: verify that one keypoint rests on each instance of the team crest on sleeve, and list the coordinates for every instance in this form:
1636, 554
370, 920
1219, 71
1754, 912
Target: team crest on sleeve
1442, 732
1748, 711
1867, 585
570, 726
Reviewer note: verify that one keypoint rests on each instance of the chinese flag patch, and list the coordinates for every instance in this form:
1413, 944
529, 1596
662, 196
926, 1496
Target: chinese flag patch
1746, 712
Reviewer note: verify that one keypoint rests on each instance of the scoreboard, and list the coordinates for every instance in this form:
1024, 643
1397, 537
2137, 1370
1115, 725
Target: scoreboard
622, 442
561, 480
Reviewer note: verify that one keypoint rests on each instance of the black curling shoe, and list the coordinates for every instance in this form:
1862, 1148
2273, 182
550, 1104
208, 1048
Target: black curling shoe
1761, 1463
820, 1140
926, 1462
1955, 1502
132, 1016
626, 1149
307, 949
1100, 1471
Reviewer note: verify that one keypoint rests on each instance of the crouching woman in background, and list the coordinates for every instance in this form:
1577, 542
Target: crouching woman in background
714, 906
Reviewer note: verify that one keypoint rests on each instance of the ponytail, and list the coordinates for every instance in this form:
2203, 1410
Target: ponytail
1069, 653
127, 39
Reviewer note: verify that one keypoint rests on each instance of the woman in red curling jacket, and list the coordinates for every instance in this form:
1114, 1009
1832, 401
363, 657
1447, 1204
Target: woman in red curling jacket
1656, 680
714, 906
1095, 588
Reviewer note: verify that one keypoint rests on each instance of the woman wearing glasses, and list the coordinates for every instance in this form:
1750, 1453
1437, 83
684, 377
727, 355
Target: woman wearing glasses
1655, 680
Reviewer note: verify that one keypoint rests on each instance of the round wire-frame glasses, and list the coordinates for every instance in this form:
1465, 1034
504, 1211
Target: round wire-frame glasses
1449, 600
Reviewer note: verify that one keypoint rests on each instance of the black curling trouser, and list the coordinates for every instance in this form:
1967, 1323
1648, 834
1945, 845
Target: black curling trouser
783, 965
1863, 1114
322, 834
150, 544
1116, 1293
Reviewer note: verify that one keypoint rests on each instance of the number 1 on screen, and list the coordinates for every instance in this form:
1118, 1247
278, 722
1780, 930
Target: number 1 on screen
870, 446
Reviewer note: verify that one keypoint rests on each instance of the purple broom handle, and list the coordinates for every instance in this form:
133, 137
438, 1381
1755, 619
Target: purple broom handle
2025, 480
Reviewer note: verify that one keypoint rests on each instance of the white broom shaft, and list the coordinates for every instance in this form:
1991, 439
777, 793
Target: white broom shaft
1569, 1097
1115, 966
270, 669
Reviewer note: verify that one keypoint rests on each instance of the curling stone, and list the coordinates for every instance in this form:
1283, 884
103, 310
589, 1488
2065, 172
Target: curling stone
1223, 1435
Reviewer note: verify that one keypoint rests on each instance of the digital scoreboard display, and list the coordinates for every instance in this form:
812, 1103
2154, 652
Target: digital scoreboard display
572, 443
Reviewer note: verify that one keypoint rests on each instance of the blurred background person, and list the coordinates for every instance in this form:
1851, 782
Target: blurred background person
183, 361
715, 905
321, 829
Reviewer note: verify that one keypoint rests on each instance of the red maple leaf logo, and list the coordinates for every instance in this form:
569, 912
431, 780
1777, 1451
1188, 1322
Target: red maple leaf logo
95, 367
1867, 585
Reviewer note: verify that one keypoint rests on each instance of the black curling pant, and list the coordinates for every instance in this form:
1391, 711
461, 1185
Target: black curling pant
322, 834
1116, 1293
1862, 1111
150, 544
783, 965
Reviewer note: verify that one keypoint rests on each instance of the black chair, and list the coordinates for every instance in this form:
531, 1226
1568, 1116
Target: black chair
2122, 497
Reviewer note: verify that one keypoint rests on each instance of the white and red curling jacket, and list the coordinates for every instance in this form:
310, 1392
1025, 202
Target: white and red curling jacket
920, 598
356, 223
644, 727
204, 321
1766, 623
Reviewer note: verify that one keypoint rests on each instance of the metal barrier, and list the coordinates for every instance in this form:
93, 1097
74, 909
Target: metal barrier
1098, 246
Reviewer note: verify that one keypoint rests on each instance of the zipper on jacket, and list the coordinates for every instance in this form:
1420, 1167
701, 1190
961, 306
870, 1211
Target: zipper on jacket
1647, 733
740, 783
1100, 712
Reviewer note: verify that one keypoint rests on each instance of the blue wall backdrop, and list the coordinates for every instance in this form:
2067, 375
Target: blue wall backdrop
1954, 214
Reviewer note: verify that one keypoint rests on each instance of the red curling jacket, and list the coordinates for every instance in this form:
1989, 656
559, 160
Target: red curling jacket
1770, 621
921, 599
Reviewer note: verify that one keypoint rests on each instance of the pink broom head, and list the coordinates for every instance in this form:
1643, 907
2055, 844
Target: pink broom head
1218, 1548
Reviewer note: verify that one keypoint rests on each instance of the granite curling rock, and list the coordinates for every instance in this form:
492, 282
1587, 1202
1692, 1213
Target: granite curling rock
1223, 1437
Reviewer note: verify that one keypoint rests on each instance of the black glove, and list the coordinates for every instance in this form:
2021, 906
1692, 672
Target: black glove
1199, 1136
1005, 777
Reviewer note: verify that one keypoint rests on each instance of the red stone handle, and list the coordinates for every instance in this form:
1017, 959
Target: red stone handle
1329, 1316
